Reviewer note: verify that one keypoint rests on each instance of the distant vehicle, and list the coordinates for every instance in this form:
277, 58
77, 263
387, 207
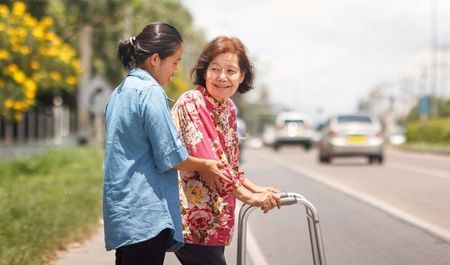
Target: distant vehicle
396, 136
243, 135
293, 128
352, 135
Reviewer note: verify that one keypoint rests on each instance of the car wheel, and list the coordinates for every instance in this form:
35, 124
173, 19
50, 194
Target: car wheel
324, 159
376, 159
307, 146
276, 146
380, 159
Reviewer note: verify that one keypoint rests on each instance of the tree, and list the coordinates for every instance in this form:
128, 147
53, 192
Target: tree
33, 58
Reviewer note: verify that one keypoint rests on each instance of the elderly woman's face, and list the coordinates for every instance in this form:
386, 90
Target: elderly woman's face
223, 76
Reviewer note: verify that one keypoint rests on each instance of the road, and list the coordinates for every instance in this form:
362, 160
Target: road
396, 213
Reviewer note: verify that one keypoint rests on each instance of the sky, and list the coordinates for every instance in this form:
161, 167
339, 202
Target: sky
323, 56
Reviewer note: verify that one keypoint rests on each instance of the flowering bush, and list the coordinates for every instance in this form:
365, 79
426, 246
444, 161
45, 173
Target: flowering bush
32, 57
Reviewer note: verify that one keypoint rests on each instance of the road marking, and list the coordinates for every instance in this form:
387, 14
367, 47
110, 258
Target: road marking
427, 226
432, 172
254, 251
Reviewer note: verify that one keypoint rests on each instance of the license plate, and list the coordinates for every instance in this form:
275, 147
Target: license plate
356, 139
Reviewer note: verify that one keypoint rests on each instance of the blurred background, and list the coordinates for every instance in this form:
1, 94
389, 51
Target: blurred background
351, 82
387, 59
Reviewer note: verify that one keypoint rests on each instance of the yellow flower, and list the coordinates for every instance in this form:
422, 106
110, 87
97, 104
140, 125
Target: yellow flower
4, 11
2, 27
29, 21
47, 21
11, 68
71, 80
52, 51
20, 105
38, 32
30, 88
4, 54
55, 76
19, 77
11, 32
25, 50
21, 32
35, 65
19, 8
9, 103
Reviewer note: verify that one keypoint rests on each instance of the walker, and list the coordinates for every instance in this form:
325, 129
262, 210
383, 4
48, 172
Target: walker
287, 198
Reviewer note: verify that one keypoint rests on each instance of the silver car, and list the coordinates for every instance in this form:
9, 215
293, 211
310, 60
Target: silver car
293, 128
352, 135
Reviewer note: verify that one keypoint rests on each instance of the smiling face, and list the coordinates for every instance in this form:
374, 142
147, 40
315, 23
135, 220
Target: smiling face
223, 76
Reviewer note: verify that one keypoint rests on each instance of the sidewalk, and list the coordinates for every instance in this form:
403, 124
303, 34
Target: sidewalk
93, 252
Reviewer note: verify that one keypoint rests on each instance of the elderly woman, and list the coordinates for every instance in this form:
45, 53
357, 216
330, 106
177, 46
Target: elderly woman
206, 120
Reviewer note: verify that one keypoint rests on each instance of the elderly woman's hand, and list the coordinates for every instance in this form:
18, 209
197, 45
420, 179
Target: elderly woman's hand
267, 200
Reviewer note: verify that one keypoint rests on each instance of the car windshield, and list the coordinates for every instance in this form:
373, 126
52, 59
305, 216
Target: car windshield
353, 118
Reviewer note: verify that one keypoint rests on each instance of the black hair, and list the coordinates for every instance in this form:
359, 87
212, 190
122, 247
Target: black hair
160, 38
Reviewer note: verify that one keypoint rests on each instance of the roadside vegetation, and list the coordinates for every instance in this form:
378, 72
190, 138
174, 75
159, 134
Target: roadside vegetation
48, 201
429, 134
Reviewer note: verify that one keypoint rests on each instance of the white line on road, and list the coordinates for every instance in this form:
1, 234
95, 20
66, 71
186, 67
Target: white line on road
432, 228
431, 172
254, 251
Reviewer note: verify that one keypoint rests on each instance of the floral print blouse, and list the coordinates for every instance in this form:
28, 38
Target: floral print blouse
208, 130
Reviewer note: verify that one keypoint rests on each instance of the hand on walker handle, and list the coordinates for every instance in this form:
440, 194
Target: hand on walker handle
267, 200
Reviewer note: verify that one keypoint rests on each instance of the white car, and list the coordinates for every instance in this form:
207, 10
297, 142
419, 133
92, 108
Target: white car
293, 128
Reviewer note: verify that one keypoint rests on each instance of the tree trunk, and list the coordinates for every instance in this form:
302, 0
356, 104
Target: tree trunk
86, 64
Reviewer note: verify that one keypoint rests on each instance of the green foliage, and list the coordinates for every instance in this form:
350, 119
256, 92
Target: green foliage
33, 59
46, 202
443, 110
113, 20
429, 131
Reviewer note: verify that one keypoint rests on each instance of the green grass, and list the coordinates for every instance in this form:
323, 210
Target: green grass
48, 201
436, 148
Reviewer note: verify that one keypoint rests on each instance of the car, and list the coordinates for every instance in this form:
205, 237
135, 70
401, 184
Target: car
293, 128
243, 135
352, 135
396, 136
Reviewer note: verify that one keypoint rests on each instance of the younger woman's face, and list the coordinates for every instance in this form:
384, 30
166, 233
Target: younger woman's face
163, 70
223, 76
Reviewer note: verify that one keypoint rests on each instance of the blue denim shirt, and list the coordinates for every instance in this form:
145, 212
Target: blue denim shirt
140, 190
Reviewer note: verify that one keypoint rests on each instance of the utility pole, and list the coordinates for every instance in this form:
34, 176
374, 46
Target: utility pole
434, 58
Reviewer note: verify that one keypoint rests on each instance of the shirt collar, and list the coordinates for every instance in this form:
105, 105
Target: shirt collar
140, 73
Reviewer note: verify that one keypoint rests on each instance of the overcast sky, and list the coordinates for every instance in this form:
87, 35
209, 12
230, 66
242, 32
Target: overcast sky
328, 54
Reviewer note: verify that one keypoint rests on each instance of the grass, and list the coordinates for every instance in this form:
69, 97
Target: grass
441, 148
48, 201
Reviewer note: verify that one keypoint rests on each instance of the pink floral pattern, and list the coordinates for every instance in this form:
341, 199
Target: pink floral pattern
208, 130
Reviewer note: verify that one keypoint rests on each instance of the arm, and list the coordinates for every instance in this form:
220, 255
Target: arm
256, 188
199, 137
267, 200
208, 169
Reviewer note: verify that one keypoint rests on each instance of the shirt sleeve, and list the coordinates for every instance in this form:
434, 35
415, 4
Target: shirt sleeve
166, 145
197, 134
